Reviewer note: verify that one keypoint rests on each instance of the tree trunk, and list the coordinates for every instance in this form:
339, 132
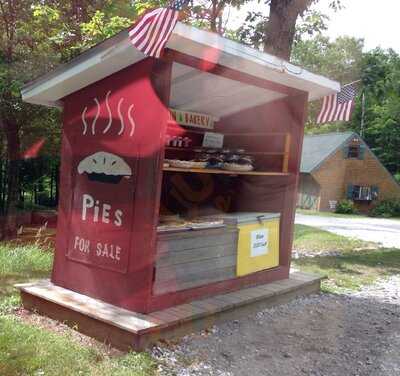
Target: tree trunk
213, 16
281, 26
57, 181
2, 186
51, 184
13, 147
217, 7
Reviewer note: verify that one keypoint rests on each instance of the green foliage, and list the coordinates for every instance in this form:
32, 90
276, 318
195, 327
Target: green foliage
36, 36
381, 85
208, 14
340, 59
100, 27
387, 209
345, 207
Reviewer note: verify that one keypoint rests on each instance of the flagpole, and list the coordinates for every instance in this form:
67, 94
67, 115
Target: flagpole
362, 114
352, 83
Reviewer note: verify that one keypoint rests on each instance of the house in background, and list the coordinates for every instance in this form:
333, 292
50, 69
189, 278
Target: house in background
337, 166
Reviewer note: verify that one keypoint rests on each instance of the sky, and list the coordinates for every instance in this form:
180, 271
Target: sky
375, 21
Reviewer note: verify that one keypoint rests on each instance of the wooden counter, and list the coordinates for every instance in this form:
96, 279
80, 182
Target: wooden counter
194, 258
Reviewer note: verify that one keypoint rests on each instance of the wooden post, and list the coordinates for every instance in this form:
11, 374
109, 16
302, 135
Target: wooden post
285, 167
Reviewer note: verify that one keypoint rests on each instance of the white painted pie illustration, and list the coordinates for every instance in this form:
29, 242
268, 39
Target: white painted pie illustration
104, 167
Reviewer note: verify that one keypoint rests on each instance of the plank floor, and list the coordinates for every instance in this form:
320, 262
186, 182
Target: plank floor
140, 324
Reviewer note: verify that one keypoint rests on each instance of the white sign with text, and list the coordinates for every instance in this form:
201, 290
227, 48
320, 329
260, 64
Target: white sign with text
259, 243
213, 140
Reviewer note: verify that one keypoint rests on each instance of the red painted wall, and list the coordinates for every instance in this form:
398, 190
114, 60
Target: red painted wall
112, 148
109, 175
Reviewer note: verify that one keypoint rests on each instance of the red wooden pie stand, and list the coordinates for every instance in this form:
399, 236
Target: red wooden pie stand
116, 116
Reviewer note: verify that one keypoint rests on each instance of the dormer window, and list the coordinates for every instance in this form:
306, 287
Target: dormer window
353, 151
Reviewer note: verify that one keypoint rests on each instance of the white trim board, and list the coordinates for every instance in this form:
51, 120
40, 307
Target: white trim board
117, 53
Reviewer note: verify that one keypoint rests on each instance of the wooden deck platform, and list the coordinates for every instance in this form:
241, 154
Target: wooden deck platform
129, 330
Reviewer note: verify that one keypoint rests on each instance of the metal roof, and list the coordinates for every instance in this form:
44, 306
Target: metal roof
318, 148
216, 95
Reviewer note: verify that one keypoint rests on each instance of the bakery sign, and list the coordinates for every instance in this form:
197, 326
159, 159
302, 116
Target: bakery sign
192, 119
103, 167
101, 224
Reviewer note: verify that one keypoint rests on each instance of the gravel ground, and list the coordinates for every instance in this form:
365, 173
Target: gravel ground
379, 230
348, 334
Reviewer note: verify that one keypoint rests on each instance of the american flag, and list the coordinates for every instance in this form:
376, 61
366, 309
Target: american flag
338, 106
151, 33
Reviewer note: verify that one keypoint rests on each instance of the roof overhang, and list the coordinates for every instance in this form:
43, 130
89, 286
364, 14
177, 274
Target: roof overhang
117, 53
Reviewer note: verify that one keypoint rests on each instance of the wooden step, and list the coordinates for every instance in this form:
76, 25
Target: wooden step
131, 330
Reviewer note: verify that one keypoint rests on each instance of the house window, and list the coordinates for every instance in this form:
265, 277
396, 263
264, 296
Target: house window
362, 193
353, 151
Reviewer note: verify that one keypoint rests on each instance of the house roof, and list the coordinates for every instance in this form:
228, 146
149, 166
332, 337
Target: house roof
191, 89
317, 148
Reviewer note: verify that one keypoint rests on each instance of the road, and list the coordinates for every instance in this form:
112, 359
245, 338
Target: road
379, 230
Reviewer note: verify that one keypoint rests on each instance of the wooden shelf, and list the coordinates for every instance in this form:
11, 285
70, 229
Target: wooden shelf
224, 172
201, 131
172, 148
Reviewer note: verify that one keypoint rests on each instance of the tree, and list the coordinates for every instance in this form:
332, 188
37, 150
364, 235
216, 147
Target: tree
35, 36
209, 13
253, 30
278, 32
281, 26
340, 59
381, 86
15, 45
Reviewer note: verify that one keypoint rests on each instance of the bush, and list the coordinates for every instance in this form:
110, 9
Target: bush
387, 209
345, 207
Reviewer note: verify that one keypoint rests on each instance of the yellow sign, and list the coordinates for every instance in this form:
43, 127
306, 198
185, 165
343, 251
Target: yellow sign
192, 119
258, 247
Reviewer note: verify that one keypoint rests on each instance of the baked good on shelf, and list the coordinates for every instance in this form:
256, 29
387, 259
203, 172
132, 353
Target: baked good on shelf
199, 224
238, 167
215, 161
187, 164
239, 163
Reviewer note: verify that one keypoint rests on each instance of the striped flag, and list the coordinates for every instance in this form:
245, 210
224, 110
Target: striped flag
152, 32
338, 107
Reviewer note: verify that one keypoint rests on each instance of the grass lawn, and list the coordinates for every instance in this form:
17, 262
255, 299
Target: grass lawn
352, 270
328, 214
28, 350
310, 239
20, 264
